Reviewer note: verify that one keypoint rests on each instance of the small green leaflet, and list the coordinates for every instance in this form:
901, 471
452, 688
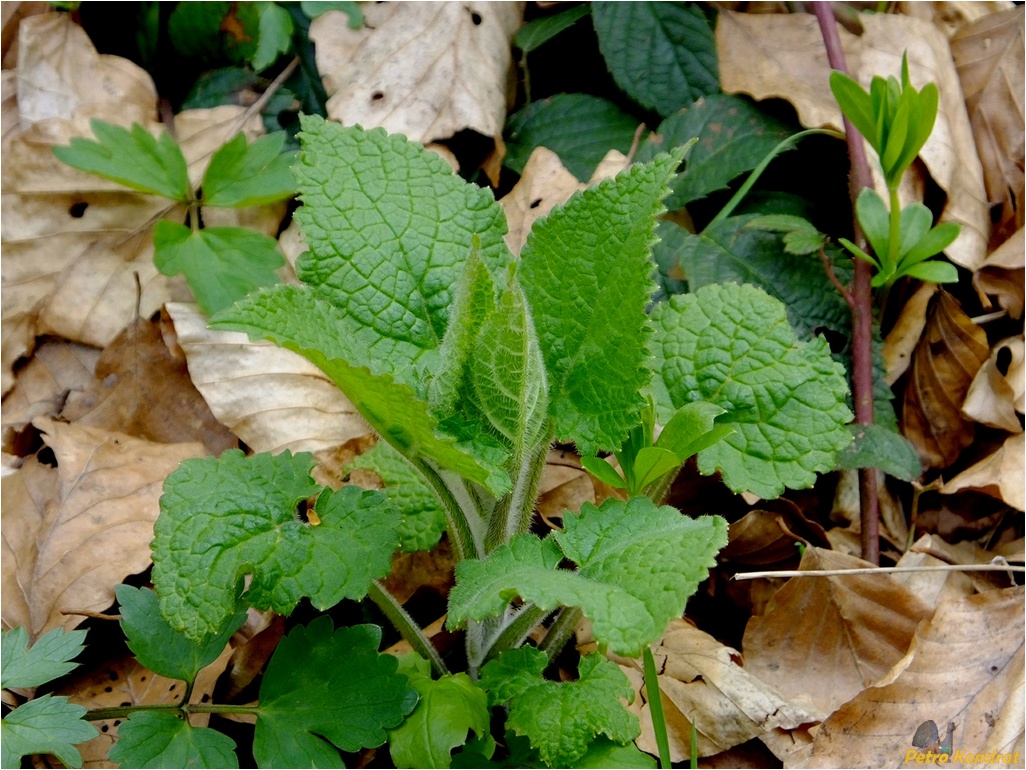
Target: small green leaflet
158, 646
663, 55
153, 739
227, 517
448, 708
325, 689
47, 725
221, 264
423, 518
585, 272
875, 446
133, 158
638, 564
536, 33
50, 657
800, 235
561, 719
733, 346
242, 174
268, 33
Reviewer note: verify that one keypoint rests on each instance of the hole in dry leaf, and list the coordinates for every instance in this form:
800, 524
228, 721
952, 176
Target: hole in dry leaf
1003, 360
377, 96
476, 18
104, 728
113, 676
536, 203
108, 689
125, 703
77, 210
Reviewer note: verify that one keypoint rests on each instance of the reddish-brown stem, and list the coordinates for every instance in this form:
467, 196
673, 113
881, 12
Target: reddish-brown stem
862, 309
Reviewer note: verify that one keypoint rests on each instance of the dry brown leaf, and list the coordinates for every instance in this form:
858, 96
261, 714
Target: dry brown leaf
71, 535
944, 363
903, 337
999, 474
965, 666
995, 397
825, 639
932, 587
762, 537
141, 389
952, 15
1003, 275
704, 681
783, 56
989, 56
426, 70
271, 398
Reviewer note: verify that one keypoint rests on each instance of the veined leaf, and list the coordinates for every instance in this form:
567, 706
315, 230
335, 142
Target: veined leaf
49, 658
153, 739
242, 174
47, 725
586, 274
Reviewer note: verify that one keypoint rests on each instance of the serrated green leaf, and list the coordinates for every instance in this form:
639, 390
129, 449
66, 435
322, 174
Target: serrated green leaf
733, 346
133, 158
875, 446
448, 709
153, 739
668, 275
389, 227
586, 275
579, 128
663, 55
49, 658
423, 519
326, 688
221, 264
47, 725
305, 320
561, 719
536, 33
603, 752
733, 134
242, 174
158, 646
638, 564
224, 518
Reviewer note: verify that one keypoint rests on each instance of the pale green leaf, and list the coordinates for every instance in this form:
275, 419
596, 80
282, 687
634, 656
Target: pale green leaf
47, 725
242, 174
585, 271
225, 518
876, 223
152, 739
49, 658
733, 346
936, 272
603, 471
653, 462
691, 429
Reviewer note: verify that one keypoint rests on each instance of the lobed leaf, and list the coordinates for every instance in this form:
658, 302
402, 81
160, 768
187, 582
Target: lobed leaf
732, 345
328, 688
242, 174
224, 518
154, 739
49, 658
47, 725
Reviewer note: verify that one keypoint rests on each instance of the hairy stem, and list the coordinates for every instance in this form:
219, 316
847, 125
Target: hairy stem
515, 630
462, 517
560, 631
514, 513
406, 626
862, 292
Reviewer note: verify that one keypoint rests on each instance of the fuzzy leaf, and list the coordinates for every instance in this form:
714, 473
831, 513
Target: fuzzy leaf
733, 346
448, 709
47, 725
158, 646
152, 739
221, 264
423, 519
326, 688
49, 658
638, 564
663, 55
242, 174
585, 271
133, 158
561, 719
224, 518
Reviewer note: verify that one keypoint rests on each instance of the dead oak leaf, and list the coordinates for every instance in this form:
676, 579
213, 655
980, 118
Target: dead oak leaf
998, 474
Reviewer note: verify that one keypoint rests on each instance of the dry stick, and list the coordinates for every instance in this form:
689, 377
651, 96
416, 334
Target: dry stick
790, 573
862, 309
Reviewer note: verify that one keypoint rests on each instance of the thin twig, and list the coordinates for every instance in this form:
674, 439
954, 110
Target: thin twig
256, 107
828, 267
790, 573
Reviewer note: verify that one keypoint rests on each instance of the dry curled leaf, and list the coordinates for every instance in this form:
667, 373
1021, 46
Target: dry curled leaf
904, 336
999, 474
995, 397
1003, 274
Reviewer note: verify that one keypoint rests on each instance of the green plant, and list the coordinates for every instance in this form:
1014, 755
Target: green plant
896, 120
221, 264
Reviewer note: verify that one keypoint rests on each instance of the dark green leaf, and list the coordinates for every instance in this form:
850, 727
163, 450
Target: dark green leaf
224, 85
153, 739
875, 446
242, 174
47, 725
195, 29
536, 33
49, 658
603, 752
663, 55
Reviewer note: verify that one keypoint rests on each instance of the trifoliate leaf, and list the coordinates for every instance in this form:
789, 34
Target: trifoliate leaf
448, 709
242, 174
579, 128
734, 135
306, 321
221, 264
325, 687
733, 346
389, 227
663, 55
586, 274
561, 719
158, 646
47, 725
423, 519
133, 158
154, 739
49, 658
638, 564
875, 446
224, 518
